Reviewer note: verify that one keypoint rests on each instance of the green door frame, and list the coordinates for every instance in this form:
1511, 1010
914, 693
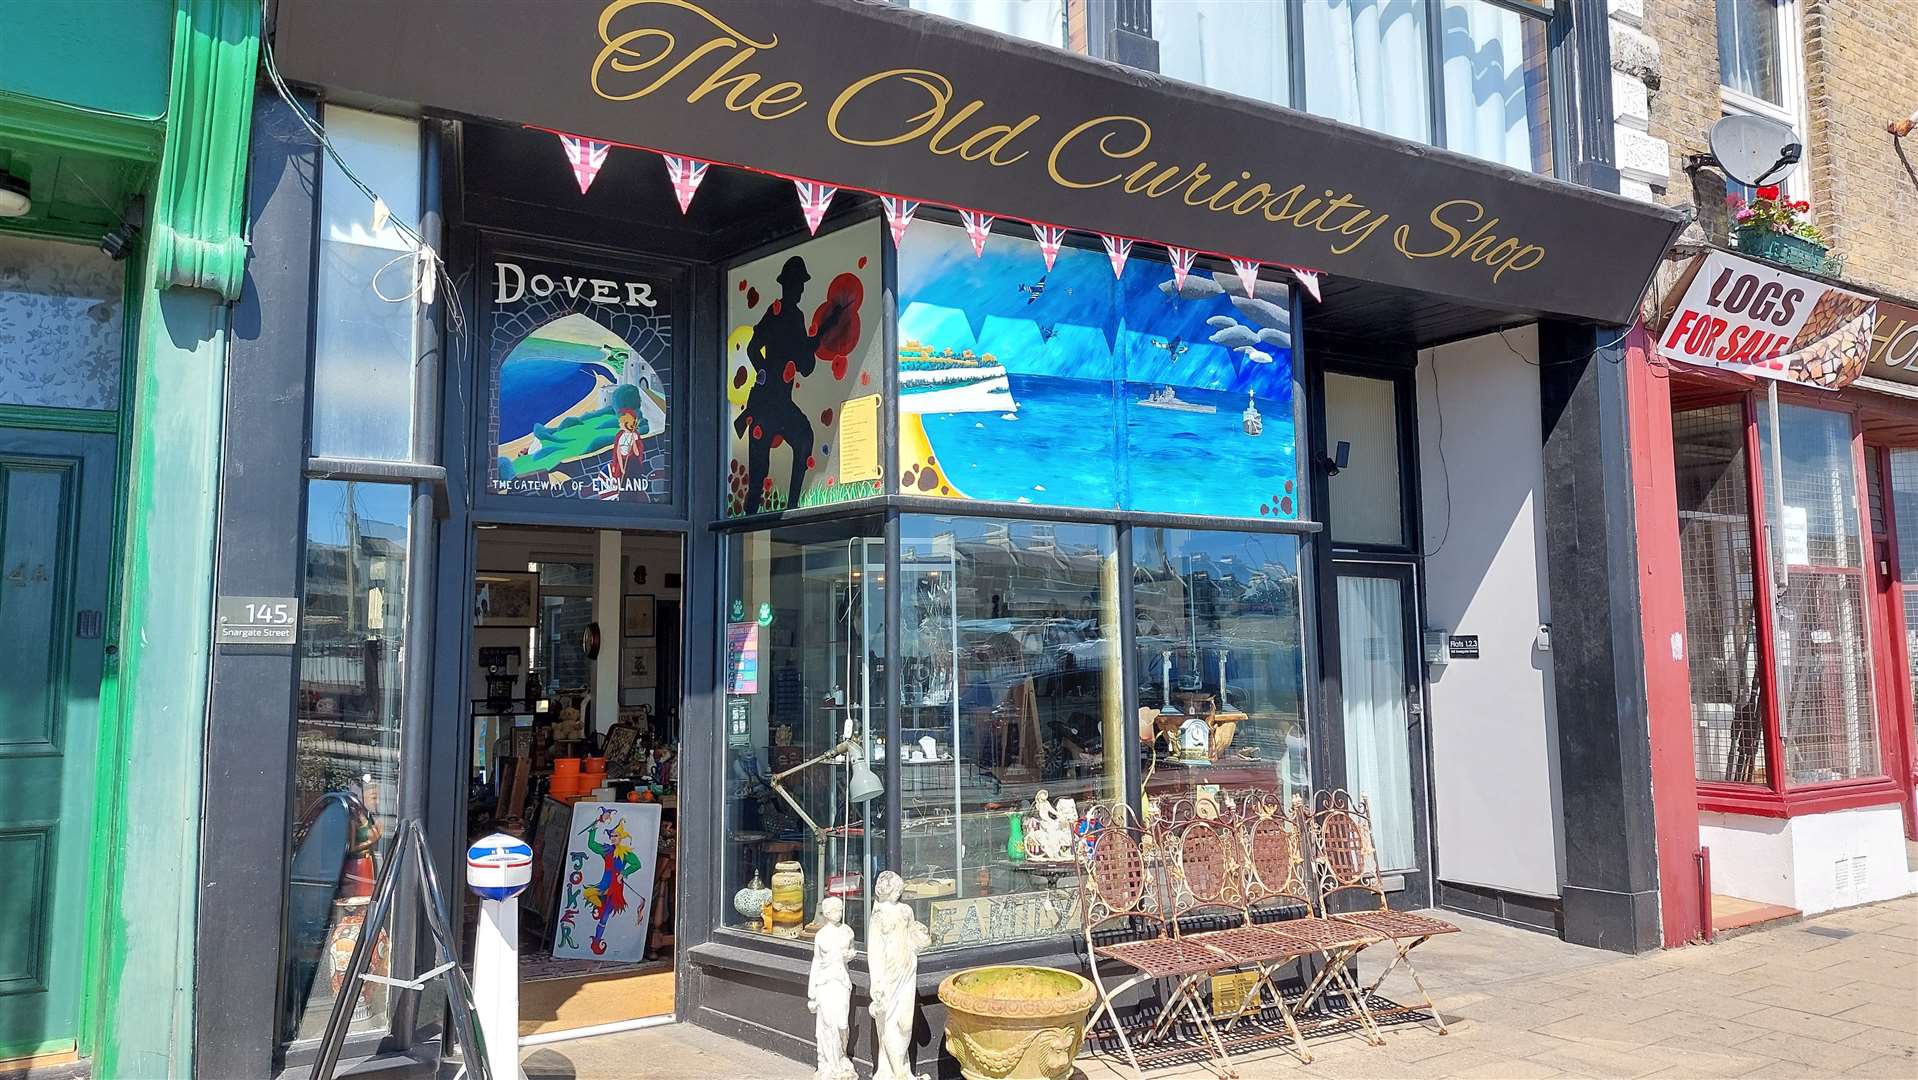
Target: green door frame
136, 1019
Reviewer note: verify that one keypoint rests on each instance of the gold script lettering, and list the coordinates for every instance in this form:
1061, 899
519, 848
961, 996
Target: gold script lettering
938, 89
643, 48
1058, 148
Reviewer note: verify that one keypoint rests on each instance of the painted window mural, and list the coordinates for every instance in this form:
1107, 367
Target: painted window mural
582, 364
804, 343
1073, 388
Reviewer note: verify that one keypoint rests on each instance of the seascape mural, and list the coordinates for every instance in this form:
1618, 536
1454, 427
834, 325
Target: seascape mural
582, 369
1073, 388
803, 353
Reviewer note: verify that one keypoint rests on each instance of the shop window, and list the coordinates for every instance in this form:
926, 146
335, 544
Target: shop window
1043, 21
1069, 387
1820, 638
1761, 73
805, 717
1728, 677
1498, 100
1220, 664
346, 744
59, 325
1366, 63
1367, 506
805, 349
1010, 711
565, 613
1381, 64
363, 326
1228, 45
1904, 502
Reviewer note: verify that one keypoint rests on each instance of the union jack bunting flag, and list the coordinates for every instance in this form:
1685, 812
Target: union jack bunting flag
685, 173
814, 197
586, 156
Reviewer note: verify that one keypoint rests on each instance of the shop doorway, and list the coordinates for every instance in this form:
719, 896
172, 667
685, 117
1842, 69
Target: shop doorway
1380, 667
574, 704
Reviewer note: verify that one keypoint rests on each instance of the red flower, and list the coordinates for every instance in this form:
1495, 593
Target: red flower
1801, 206
1769, 191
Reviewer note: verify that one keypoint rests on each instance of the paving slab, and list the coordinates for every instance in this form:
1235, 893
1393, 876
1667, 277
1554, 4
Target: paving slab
1775, 1002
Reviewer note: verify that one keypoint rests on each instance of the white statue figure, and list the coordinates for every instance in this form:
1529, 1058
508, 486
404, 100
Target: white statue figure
892, 951
1049, 836
829, 990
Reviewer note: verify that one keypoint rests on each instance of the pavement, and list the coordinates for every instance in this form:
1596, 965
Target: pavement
1835, 995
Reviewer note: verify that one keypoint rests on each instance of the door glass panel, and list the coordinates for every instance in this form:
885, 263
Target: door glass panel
346, 743
1721, 613
1820, 640
1904, 508
1366, 505
59, 325
1373, 674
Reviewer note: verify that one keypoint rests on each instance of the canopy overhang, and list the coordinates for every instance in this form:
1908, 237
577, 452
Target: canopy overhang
874, 96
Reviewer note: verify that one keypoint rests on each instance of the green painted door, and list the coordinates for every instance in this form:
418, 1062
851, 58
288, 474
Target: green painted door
56, 497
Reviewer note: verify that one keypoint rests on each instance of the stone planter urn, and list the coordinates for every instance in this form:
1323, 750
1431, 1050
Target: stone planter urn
1015, 1022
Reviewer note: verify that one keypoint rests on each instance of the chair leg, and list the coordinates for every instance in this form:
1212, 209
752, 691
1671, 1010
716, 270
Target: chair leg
1112, 1013
1189, 990
1404, 951
1350, 988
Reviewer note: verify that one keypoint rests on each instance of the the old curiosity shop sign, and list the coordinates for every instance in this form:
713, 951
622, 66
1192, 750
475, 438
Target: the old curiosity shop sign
882, 98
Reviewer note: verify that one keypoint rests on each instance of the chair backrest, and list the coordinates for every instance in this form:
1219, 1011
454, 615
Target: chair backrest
1344, 859
1206, 866
1273, 836
1116, 880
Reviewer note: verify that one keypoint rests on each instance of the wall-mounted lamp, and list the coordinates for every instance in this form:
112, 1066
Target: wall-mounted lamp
1337, 461
15, 196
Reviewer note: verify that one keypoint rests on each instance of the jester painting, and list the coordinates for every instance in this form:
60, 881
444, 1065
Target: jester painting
608, 897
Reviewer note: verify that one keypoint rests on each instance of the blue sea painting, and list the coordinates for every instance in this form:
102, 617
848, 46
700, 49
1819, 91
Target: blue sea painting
1075, 388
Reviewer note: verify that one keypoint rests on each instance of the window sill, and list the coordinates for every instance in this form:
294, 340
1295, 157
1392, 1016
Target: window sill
1816, 799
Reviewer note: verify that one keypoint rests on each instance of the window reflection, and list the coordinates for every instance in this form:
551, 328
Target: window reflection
804, 684
1009, 703
346, 767
1219, 661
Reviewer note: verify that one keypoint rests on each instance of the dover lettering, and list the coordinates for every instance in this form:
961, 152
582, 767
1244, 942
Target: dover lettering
511, 283
709, 58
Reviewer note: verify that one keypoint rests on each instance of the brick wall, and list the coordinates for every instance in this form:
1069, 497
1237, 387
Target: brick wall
1861, 67
1861, 71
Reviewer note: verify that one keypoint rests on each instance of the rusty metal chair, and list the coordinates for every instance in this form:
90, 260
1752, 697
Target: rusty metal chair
1279, 895
1122, 913
1208, 873
1347, 863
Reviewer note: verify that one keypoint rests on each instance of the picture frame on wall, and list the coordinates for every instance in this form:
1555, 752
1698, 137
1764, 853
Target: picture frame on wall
639, 667
505, 598
641, 615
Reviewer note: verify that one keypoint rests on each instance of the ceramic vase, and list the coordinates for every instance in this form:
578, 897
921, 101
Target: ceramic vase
789, 897
755, 896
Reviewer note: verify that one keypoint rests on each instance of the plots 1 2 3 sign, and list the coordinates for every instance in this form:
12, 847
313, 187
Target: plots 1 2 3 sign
1757, 320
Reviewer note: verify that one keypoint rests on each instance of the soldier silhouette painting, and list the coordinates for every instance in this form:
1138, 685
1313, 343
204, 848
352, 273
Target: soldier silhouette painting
782, 351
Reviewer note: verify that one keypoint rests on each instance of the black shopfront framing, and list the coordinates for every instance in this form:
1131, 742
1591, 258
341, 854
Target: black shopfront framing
726, 978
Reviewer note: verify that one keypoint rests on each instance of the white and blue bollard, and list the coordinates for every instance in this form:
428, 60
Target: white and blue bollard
498, 868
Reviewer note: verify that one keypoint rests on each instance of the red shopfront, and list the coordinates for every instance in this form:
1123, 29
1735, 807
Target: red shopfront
1788, 514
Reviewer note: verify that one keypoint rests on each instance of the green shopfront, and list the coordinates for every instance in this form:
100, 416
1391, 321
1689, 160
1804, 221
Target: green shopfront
122, 147
993, 434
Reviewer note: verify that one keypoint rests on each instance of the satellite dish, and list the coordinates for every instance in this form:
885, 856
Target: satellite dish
1753, 150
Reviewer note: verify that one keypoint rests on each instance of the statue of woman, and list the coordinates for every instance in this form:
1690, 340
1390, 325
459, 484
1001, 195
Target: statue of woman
892, 951
829, 990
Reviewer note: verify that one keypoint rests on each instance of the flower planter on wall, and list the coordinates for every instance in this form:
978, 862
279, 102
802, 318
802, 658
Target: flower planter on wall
1785, 249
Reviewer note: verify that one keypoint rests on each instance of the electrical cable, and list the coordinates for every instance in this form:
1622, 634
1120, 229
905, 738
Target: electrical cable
422, 251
